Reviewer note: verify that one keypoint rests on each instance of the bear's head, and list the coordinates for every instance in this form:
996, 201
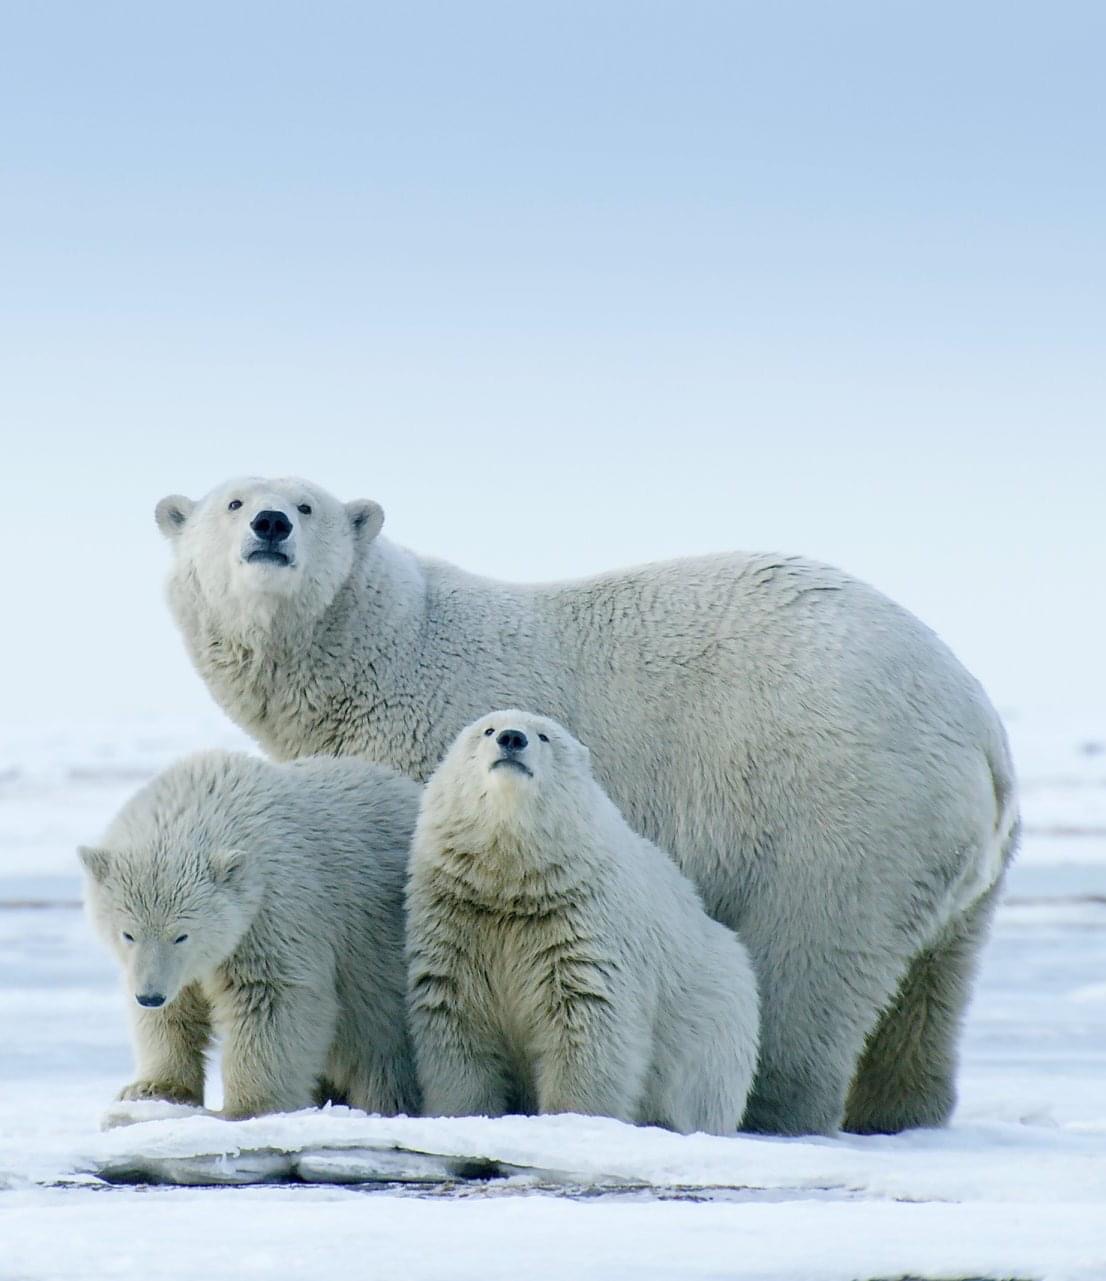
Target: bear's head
171, 916
257, 549
516, 769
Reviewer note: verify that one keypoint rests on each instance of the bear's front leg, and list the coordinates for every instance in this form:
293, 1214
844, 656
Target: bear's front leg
169, 1047
460, 1072
591, 1060
277, 1040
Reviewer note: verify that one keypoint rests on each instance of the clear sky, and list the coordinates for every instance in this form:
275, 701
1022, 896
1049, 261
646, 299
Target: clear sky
564, 286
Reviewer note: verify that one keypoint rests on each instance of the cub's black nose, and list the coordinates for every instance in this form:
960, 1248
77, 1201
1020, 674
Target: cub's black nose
274, 526
152, 1001
512, 740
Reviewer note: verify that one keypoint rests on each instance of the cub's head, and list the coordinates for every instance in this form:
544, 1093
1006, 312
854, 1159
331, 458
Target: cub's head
514, 766
255, 545
170, 916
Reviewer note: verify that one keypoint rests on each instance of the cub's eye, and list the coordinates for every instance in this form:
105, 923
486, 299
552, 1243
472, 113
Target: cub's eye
544, 738
128, 938
304, 509
234, 504
489, 731
183, 939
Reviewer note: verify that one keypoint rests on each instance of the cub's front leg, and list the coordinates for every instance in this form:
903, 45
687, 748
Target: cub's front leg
169, 1046
593, 1056
277, 1040
460, 1072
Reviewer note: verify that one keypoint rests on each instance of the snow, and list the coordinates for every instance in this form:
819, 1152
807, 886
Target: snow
969, 1162
1014, 1188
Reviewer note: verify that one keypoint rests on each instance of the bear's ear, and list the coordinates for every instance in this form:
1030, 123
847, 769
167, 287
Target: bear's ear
97, 863
366, 518
172, 512
227, 867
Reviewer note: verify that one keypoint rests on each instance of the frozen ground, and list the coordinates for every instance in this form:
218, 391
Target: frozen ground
1016, 1188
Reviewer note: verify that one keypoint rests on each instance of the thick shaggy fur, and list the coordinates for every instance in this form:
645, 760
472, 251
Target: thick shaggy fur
264, 902
559, 962
817, 762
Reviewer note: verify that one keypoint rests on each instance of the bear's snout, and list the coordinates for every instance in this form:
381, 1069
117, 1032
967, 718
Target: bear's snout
151, 1000
512, 740
273, 526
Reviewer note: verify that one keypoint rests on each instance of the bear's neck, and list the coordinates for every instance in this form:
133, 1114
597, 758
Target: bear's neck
300, 687
515, 868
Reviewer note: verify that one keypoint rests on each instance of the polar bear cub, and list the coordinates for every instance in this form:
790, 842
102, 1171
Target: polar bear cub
264, 902
559, 962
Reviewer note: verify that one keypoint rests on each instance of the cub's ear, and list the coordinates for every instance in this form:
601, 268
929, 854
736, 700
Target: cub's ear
171, 514
228, 866
366, 518
97, 863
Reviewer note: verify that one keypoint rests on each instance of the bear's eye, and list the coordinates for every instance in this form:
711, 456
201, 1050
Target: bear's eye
489, 731
234, 504
304, 509
128, 938
183, 939
544, 738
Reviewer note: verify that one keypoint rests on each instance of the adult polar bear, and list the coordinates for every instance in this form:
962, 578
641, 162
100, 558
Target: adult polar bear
835, 783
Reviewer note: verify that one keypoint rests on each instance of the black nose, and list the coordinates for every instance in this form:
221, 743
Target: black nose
152, 1001
512, 740
274, 526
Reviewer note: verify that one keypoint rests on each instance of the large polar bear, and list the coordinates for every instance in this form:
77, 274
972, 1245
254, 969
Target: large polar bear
836, 785
558, 961
264, 902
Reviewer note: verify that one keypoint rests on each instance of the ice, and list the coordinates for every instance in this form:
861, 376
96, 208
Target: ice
1014, 1188
992, 1161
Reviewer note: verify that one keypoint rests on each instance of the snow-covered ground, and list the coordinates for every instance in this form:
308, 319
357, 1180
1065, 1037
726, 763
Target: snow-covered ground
1016, 1188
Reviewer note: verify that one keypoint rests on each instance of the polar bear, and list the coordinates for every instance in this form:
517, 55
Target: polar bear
816, 761
558, 962
264, 902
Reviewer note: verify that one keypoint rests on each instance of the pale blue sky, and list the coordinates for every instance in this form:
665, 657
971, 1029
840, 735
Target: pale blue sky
564, 287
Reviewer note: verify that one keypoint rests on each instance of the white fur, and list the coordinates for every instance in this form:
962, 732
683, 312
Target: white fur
813, 757
558, 961
264, 902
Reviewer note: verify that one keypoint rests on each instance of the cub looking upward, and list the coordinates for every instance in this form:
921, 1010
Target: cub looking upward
558, 962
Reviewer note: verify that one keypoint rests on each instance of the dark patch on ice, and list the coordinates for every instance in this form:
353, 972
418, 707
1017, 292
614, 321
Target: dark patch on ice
944, 1277
37, 904
109, 773
478, 1170
482, 1179
1057, 900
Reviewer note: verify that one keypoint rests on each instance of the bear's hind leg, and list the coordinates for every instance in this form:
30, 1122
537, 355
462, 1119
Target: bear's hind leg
906, 1077
817, 1008
170, 1044
377, 1075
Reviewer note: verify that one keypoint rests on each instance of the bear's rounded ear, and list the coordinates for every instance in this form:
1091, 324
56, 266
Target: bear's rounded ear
172, 512
97, 863
227, 866
366, 518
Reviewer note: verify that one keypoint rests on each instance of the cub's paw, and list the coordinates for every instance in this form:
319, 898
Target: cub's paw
162, 1091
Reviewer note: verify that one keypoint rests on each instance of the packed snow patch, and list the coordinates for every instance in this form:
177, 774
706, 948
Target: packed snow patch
160, 1143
